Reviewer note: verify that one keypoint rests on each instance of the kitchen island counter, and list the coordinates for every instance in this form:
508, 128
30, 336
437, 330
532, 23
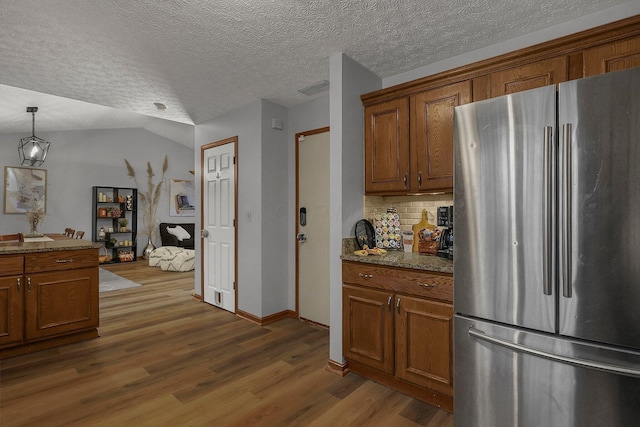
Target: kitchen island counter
58, 242
49, 293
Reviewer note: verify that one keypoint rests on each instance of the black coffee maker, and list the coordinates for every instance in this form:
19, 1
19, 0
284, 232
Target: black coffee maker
445, 219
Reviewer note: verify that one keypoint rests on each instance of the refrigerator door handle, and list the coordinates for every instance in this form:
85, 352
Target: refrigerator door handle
547, 211
566, 211
590, 364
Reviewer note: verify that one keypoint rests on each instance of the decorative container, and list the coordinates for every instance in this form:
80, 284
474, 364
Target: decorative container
124, 256
148, 249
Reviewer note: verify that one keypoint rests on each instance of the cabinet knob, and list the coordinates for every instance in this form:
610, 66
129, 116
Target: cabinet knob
389, 303
420, 179
18, 284
365, 276
398, 305
406, 178
29, 283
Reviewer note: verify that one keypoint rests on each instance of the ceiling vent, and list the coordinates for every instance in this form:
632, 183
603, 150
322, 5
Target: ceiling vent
315, 88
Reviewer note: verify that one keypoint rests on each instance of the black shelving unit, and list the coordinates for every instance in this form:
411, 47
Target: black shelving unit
111, 205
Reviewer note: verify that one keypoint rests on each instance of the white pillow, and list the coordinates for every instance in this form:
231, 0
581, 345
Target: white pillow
179, 232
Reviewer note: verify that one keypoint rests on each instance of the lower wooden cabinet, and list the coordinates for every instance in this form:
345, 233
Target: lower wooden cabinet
61, 302
396, 337
11, 309
368, 326
423, 343
47, 299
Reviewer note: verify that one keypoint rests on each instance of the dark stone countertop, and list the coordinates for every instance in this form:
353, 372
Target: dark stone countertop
402, 259
55, 245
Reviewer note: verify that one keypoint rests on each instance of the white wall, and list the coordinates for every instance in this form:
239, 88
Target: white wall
263, 216
80, 159
348, 81
275, 212
305, 117
244, 123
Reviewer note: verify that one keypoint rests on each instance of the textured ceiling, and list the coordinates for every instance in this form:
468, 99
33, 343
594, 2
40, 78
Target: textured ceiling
204, 57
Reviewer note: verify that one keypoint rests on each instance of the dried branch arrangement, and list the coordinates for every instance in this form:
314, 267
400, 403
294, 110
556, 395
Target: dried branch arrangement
35, 215
149, 199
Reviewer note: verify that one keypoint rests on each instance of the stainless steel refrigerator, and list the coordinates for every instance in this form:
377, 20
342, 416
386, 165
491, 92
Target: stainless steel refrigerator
547, 266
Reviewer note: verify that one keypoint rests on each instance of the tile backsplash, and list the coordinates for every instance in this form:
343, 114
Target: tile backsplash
409, 207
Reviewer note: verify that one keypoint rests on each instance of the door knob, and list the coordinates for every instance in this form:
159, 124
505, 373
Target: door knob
204, 234
301, 237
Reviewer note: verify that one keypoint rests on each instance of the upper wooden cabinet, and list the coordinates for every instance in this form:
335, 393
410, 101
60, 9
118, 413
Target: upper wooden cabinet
432, 136
409, 141
529, 76
409, 127
386, 153
615, 56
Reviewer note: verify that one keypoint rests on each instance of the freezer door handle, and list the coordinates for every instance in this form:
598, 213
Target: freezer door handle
547, 211
566, 211
590, 364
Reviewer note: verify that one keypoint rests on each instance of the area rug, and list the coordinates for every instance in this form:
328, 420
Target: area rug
112, 282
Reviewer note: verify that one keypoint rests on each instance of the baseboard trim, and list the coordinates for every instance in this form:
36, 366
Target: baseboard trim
197, 297
262, 321
315, 323
336, 368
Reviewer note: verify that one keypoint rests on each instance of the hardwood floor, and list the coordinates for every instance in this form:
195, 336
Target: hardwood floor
164, 359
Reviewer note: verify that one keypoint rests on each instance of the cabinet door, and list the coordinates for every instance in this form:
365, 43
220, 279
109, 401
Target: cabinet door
615, 56
424, 331
11, 310
530, 76
386, 147
367, 335
432, 136
61, 302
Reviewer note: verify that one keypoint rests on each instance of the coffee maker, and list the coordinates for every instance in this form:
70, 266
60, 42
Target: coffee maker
445, 219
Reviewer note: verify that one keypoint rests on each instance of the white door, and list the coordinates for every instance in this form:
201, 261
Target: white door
219, 221
313, 253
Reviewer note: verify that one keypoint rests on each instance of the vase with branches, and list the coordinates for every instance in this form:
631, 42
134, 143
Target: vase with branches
34, 215
149, 201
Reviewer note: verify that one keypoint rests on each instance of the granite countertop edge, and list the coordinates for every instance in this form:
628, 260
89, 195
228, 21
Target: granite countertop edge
411, 260
34, 247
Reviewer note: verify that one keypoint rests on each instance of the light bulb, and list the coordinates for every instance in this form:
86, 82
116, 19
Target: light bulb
34, 151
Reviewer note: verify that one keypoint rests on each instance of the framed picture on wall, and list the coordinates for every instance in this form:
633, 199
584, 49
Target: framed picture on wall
182, 193
25, 189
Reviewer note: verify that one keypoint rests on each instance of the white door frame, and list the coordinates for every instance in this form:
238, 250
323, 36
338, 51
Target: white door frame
297, 219
233, 140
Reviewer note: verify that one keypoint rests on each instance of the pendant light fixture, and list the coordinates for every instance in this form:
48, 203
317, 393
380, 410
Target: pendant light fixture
33, 150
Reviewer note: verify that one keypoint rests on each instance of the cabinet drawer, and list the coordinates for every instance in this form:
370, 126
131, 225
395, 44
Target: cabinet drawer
60, 260
11, 265
408, 281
